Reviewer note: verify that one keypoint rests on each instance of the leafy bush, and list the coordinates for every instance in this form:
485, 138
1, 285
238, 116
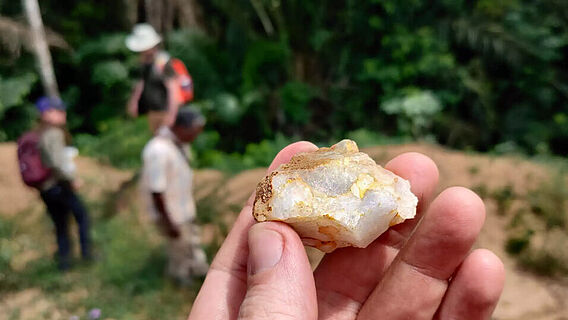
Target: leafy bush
14, 90
204, 61
266, 64
415, 112
295, 98
110, 73
518, 244
327, 69
368, 138
256, 155
120, 143
16, 114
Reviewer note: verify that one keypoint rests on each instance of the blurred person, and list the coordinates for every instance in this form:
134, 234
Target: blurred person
164, 83
167, 186
46, 163
424, 268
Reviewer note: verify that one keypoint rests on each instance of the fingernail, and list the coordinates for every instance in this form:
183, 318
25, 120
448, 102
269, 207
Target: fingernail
265, 249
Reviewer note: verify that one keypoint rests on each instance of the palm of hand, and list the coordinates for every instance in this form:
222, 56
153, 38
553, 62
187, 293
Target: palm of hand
421, 269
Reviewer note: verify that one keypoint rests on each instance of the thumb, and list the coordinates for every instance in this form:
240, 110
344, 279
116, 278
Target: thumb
280, 281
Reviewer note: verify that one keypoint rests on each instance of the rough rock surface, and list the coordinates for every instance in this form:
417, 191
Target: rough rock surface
335, 197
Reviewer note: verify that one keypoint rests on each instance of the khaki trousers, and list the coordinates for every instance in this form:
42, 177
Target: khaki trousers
156, 119
186, 258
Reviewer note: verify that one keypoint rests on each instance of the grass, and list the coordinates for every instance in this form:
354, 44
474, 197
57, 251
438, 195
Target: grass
210, 212
549, 201
538, 231
537, 236
127, 281
504, 198
473, 170
543, 263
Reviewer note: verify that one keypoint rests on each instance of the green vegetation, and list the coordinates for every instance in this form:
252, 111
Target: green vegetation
549, 207
538, 230
127, 281
504, 198
549, 202
478, 75
119, 144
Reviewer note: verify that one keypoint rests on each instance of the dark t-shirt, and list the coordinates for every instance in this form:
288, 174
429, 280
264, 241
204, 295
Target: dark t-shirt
154, 95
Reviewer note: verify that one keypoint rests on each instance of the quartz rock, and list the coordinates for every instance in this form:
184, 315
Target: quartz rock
334, 197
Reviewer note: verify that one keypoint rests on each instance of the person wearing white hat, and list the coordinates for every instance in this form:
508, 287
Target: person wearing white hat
156, 91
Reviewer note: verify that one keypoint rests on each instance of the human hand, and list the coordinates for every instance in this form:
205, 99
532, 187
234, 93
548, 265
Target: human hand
169, 229
133, 111
420, 269
172, 231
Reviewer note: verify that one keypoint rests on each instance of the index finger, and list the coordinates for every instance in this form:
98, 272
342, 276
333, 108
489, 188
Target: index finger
226, 282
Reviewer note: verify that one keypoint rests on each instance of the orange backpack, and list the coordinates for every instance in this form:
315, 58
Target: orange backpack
184, 80
185, 83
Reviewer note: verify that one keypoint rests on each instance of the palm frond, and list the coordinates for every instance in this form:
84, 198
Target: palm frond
492, 38
15, 35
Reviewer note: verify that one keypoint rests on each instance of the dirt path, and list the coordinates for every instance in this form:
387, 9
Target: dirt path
525, 297
15, 197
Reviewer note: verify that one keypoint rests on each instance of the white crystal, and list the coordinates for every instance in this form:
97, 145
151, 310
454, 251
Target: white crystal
335, 197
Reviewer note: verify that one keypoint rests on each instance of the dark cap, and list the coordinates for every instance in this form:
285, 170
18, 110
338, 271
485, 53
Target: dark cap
46, 103
189, 117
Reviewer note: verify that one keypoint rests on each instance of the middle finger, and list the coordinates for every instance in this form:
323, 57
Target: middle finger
417, 280
346, 277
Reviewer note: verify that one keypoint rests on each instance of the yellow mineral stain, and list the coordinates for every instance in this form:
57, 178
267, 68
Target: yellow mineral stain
351, 146
363, 183
396, 220
355, 190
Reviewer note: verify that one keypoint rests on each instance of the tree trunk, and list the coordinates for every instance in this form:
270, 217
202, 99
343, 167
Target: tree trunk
263, 16
189, 14
41, 49
154, 13
168, 17
165, 15
131, 8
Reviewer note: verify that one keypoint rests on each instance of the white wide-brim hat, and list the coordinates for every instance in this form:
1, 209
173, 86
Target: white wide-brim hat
143, 38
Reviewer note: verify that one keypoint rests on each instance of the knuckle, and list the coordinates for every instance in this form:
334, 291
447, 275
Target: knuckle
266, 303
